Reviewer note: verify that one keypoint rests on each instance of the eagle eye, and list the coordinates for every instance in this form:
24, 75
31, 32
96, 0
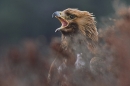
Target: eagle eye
72, 16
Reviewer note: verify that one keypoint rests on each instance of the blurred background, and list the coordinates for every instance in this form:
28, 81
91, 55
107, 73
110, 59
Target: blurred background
27, 36
32, 18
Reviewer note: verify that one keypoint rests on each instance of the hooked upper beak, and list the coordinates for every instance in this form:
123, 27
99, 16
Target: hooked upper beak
56, 14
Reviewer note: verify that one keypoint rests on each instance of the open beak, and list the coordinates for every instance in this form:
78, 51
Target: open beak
61, 18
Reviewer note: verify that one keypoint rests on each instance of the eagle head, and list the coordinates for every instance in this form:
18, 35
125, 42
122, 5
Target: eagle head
75, 23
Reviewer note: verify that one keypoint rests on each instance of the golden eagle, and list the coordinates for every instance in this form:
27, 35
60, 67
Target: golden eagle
79, 32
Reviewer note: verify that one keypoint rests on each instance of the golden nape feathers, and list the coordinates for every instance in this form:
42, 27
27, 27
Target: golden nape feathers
78, 28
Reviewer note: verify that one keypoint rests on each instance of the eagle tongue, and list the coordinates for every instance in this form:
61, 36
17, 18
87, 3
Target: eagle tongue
63, 22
